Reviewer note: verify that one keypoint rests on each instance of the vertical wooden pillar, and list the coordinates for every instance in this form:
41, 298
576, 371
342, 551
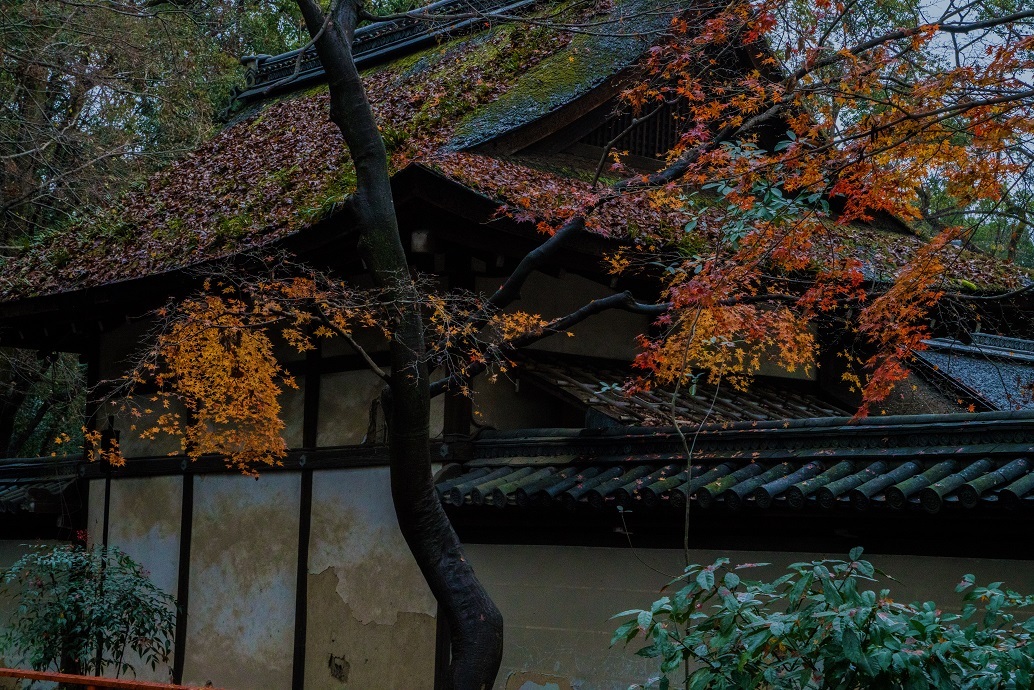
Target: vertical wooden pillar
183, 578
310, 428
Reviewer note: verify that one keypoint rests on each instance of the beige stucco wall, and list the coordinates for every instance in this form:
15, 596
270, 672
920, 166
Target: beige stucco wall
344, 410
370, 616
243, 564
144, 521
556, 601
610, 334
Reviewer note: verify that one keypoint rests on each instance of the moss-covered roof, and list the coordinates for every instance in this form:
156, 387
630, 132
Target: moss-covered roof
882, 252
283, 166
590, 59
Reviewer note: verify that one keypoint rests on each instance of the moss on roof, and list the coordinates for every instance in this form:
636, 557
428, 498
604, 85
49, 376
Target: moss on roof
284, 165
590, 60
883, 252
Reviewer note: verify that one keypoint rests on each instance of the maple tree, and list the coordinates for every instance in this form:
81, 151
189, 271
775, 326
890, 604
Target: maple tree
838, 122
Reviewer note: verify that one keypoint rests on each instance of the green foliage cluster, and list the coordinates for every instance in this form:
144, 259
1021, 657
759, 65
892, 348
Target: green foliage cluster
41, 397
70, 598
96, 95
816, 627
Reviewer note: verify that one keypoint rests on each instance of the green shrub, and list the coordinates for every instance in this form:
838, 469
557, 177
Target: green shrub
817, 628
71, 599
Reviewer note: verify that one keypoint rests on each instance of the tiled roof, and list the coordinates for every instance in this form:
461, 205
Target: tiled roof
929, 484
601, 389
372, 44
997, 370
918, 464
34, 485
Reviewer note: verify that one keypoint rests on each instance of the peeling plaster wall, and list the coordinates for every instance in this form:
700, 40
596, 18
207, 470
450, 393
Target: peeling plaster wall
556, 601
344, 410
240, 630
610, 334
371, 618
144, 522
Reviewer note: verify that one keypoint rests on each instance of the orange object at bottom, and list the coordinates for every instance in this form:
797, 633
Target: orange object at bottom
92, 682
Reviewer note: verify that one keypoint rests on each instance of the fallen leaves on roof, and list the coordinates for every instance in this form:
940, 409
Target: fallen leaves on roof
279, 170
284, 167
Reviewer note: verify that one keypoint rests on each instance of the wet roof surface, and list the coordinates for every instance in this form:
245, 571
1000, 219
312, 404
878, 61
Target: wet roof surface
283, 166
600, 387
34, 485
999, 369
929, 484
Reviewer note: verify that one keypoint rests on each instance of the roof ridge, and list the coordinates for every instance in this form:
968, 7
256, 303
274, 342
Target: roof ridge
374, 43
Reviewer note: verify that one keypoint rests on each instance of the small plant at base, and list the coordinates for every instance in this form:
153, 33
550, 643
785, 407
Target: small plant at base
71, 598
815, 628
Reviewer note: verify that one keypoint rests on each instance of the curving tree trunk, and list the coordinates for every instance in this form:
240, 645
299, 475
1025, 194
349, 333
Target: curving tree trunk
475, 624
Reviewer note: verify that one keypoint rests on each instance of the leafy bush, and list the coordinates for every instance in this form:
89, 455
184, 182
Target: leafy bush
816, 628
72, 599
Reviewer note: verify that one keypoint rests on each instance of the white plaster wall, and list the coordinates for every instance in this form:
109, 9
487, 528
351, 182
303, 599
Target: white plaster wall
370, 339
292, 412
370, 615
344, 411
139, 413
134, 416
95, 517
509, 403
556, 601
240, 625
120, 347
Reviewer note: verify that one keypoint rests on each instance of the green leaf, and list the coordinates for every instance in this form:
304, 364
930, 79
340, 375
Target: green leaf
853, 650
629, 612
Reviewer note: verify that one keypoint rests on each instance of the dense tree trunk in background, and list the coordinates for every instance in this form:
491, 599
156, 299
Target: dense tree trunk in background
475, 624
